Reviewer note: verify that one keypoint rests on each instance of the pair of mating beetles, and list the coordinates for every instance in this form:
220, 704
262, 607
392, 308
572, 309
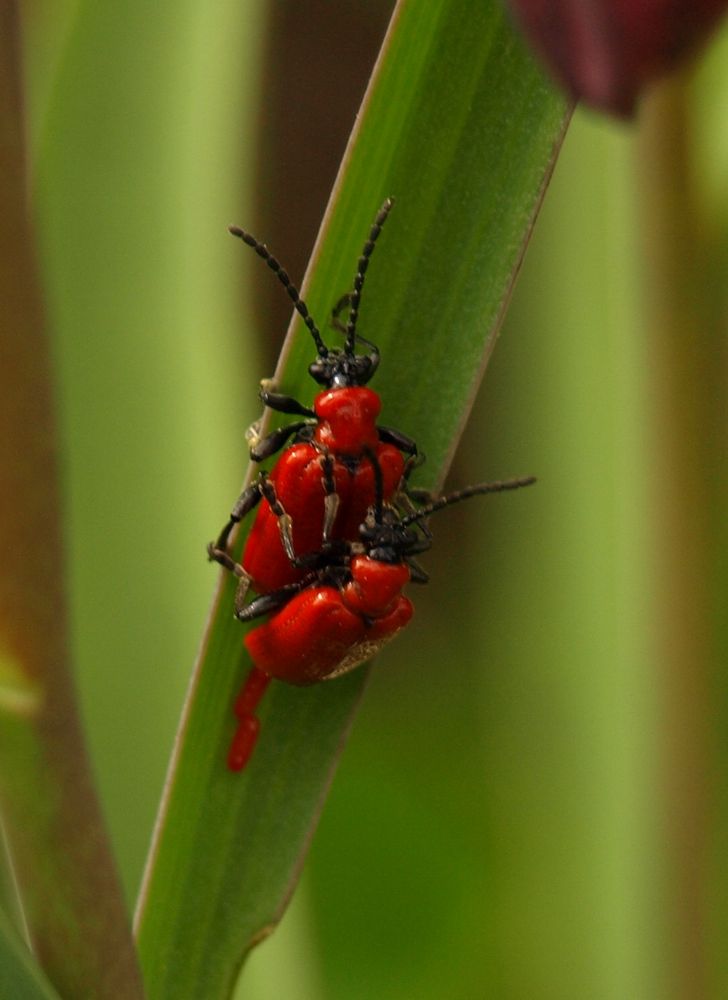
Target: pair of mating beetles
338, 527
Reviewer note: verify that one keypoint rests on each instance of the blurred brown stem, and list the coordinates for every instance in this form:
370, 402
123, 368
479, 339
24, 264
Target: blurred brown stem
680, 334
65, 873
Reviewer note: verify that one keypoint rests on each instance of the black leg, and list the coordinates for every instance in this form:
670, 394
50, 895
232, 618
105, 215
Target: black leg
284, 404
285, 525
331, 497
391, 436
262, 448
248, 499
343, 303
268, 603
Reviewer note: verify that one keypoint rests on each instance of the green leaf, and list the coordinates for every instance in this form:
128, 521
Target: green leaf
20, 977
461, 129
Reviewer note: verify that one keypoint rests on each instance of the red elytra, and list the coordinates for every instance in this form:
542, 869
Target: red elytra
321, 633
297, 479
325, 630
324, 482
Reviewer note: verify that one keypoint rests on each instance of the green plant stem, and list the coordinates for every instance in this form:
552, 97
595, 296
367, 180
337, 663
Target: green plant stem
680, 335
20, 977
70, 895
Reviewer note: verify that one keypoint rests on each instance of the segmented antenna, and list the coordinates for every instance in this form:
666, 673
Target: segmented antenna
361, 271
298, 304
469, 491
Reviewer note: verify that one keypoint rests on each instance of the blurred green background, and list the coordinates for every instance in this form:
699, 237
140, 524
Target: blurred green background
533, 801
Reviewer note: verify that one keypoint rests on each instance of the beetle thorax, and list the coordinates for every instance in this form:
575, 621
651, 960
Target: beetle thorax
347, 419
374, 586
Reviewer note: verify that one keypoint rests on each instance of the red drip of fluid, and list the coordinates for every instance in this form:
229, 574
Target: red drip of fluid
245, 738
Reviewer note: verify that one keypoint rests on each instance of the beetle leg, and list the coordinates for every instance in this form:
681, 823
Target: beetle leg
283, 404
417, 573
263, 605
262, 448
285, 524
389, 435
331, 498
409, 496
268, 603
244, 583
218, 551
343, 303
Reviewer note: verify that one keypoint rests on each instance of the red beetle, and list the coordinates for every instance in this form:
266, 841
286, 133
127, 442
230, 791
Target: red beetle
343, 612
324, 482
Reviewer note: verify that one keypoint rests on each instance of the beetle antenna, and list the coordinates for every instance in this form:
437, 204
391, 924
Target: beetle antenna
298, 304
469, 491
361, 271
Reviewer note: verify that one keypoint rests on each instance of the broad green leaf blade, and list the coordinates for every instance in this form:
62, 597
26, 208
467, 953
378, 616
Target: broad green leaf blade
20, 977
461, 129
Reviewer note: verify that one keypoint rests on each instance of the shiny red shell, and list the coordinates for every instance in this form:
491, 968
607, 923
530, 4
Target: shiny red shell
347, 420
319, 634
347, 431
324, 632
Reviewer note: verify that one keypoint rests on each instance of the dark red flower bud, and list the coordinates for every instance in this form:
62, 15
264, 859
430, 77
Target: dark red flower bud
605, 51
